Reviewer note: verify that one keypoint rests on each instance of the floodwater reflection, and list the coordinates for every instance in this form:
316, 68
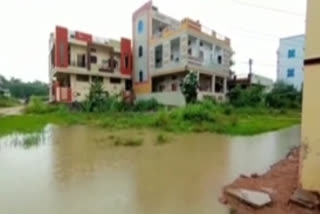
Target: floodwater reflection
78, 169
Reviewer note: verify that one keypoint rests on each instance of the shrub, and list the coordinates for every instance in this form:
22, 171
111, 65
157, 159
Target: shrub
189, 87
97, 99
36, 106
128, 142
284, 96
8, 101
146, 105
162, 139
197, 113
161, 119
251, 96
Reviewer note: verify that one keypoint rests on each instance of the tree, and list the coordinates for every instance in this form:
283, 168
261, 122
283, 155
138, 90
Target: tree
190, 87
284, 96
96, 99
251, 96
20, 89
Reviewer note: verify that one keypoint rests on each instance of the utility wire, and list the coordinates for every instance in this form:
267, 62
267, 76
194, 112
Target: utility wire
270, 8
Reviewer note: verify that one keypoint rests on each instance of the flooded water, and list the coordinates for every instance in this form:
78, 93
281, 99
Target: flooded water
78, 170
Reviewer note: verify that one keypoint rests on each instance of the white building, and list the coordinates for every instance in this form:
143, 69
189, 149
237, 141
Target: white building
165, 50
290, 60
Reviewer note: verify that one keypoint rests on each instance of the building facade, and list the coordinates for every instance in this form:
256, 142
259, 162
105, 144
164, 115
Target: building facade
77, 59
310, 158
165, 50
290, 61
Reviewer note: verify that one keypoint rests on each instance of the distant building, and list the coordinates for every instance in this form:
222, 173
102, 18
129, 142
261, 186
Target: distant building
290, 61
165, 50
77, 59
5, 92
245, 81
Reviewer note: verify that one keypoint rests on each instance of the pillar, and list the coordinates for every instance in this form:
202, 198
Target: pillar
310, 152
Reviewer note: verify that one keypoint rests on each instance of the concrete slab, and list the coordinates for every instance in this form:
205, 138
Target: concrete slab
305, 199
252, 198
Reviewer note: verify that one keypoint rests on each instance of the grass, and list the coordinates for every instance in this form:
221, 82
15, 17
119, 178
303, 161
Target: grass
128, 142
201, 117
162, 139
8, 102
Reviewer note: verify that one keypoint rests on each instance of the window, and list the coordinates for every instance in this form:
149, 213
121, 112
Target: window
81, 60
219, 84
97, 79
126, 62
140, 26
115, 80
82, 78
140, 76
140, 51
291, 53
219, 60
201, 55
201, 43
93, 50
173, 87
93, 59
190, 52
290, 72
128, 85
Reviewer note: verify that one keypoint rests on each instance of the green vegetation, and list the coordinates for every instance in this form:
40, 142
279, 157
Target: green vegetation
31, 140
199, 117
247, 114
189, 87
19, 89
282, 96
99, 101
8, 102
162, 139
128, 142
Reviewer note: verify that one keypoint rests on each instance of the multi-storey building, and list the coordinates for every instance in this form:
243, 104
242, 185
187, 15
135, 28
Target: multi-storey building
165, 50
77, 59
290, 61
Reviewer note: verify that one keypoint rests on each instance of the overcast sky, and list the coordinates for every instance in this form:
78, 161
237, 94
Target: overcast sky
254, 27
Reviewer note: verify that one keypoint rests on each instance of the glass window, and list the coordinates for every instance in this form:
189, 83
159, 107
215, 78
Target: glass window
140, 26
82, 78
290, 72
93, 59
126, 61
115, 80
140, 51
291, 53
140, 76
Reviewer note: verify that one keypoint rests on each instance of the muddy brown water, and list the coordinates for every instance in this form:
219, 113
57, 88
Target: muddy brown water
78, 170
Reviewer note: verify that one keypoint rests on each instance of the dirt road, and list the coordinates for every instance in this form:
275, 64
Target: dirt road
17, 110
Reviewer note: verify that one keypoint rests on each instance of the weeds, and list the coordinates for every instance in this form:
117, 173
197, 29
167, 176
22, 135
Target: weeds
128, 142
162, 139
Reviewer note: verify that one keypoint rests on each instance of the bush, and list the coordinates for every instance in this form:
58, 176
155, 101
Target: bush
97, 99
36, 106
251, 96
161, 119
162, 139
146, 105
128, 142
284, 96
198, 113
189, 87
8, 101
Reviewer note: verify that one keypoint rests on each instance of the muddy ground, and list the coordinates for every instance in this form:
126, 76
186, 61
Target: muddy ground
280, 182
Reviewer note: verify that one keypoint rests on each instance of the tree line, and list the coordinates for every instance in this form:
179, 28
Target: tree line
21, 89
